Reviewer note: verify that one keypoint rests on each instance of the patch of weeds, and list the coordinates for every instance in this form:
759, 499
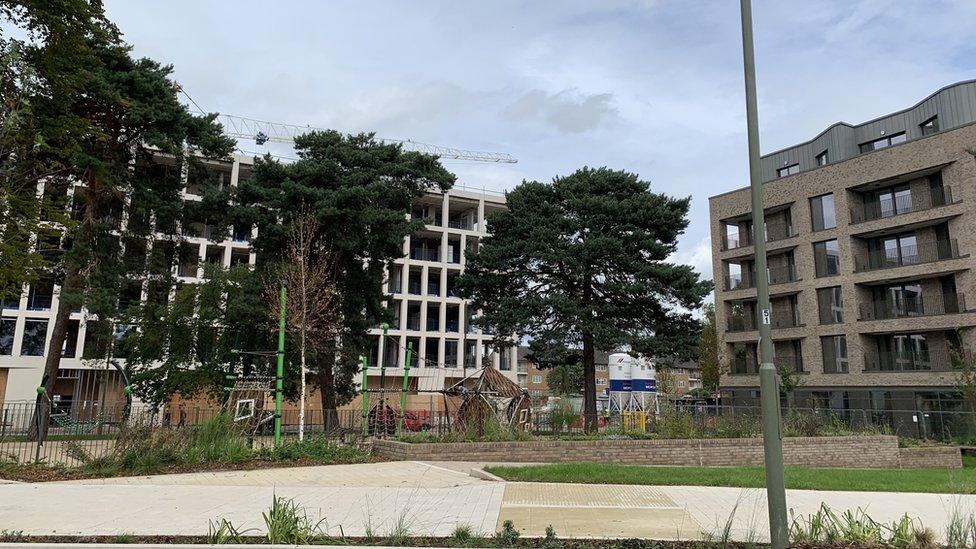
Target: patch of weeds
461, 536
550, 541
508, 536
122, 539
287, 523
314, 448
399, 534
224, 532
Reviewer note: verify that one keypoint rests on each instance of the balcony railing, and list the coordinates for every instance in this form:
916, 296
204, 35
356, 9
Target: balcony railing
748, 365
907, 255
780, 274
780, 232
424, 254
791, 320
933, 360
904, 204
742, 323
913, 306
731, 242
460, 224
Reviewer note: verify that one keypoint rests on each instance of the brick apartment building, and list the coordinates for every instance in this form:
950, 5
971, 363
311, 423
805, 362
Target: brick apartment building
871, 231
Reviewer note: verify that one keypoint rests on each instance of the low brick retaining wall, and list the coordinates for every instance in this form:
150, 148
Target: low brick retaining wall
875, 452
930, 457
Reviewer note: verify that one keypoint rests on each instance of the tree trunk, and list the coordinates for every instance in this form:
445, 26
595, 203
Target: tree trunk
301, 395
589, 384
327, 392
52, 362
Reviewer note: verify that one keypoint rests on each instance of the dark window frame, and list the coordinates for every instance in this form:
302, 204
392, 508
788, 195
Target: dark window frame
785, 171
930, 125
823, 158
884, 142
817, 206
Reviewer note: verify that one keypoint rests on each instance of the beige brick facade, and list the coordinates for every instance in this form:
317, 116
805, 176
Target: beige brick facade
905, 215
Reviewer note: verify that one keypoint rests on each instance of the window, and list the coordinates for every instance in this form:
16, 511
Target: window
734, 280
823, 159
536, 379
601, 381
7, 328
70, 347
834, 354
826, 257
35, 332
930, 126
41, 295
890, 201
883, 142
893, 251
822, 212
788, 170
733, 237
601, 367
831, 305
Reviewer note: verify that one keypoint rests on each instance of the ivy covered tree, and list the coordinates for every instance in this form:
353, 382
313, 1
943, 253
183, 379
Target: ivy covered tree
583, 263
117, 116
359, 191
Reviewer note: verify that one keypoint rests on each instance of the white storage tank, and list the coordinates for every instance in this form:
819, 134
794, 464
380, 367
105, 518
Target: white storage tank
644, 383
620, 367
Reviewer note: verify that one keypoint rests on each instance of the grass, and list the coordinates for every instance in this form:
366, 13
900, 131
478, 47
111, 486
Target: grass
942, 481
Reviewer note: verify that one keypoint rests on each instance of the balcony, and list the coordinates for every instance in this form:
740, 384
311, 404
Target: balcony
413, 323
742, 323
913, 307
907, 255
424, 254
780, 231
926, 361
464, 224
902, 204
747, 365
780, 274
731, 242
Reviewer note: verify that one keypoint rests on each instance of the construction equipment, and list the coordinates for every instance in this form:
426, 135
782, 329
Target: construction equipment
263, 132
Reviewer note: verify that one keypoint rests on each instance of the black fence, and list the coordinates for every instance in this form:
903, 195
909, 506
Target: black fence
78, 434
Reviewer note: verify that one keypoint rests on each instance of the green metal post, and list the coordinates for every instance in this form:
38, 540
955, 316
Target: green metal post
280, 373
768, 381
403, 391
364, 396
381, 409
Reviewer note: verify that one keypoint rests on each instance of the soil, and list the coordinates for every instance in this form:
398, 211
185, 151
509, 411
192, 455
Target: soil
407, 542
43, 473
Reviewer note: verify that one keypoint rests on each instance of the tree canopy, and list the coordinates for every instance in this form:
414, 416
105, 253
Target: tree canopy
359, 190
583, 262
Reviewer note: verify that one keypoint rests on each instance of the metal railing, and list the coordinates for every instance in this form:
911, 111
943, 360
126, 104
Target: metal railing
748, 365
931, 360
907, 255
424, 254
731, 242
914, 306
903, 204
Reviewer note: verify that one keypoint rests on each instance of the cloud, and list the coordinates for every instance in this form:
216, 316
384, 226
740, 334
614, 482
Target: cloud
699, 256
567, 111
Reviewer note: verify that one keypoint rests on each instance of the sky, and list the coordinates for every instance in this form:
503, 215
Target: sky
649, 86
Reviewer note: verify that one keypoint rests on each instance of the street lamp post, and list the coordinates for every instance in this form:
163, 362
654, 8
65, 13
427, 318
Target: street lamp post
768, 382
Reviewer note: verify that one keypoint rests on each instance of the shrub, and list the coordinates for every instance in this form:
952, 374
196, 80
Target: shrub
508, 536
313, 448
287, 523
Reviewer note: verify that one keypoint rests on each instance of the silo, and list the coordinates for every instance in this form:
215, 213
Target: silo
644, 384
620, 366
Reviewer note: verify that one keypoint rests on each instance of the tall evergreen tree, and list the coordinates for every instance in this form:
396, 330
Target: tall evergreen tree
582, 262
116, 115
359, 190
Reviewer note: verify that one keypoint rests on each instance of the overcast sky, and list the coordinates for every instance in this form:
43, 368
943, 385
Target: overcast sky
654, 87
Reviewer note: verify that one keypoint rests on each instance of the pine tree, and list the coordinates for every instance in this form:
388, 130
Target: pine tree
116, 116
583, 262
360, 190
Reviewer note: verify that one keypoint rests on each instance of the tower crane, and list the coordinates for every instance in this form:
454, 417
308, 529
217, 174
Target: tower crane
263, 132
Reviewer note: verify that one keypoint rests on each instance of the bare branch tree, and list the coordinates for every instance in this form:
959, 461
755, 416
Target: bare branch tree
312, 309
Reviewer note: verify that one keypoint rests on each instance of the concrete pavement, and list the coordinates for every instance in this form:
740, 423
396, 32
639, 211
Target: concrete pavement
429, 499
